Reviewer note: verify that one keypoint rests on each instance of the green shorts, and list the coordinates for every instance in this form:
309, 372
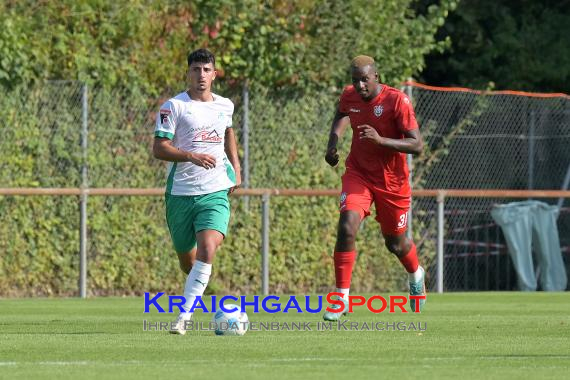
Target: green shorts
186, 215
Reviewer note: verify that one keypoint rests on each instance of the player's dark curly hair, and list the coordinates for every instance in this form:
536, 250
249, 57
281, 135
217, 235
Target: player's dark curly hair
202, 56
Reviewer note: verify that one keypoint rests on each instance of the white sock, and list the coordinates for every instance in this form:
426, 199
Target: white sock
196, 283
416, 276
345, 292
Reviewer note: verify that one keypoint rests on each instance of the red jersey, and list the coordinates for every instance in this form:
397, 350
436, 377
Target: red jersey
390, 113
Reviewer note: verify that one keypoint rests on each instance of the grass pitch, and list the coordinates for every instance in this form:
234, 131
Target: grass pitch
467, 336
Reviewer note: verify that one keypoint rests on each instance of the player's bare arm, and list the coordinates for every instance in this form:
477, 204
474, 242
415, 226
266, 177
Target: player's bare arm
163, 150
231, 151
340, 122
411, 143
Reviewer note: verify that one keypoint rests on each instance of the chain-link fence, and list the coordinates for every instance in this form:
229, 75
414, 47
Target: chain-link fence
487, 141
473, 140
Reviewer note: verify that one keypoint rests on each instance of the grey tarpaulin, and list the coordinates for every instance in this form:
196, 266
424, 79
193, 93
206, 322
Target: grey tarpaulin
528, 224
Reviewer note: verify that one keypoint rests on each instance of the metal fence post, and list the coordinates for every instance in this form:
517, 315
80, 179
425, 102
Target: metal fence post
565, 185
440, 233
245, 138
265, 244
408, 91
83, 200
531, 133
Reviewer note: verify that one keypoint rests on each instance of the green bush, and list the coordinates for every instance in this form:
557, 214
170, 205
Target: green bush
129, 250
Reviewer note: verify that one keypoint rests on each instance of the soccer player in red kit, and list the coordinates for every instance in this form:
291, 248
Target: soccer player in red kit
384, 131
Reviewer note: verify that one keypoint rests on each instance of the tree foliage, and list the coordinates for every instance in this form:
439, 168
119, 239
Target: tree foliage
518, 45
273, 43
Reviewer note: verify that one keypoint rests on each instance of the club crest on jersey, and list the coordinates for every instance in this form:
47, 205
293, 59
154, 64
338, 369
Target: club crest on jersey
342, 200
378, 110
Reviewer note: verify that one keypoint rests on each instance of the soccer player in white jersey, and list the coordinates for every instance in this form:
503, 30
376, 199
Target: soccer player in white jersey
194, 134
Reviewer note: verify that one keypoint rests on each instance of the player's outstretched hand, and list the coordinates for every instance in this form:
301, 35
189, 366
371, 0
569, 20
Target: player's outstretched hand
204, 160
331, 157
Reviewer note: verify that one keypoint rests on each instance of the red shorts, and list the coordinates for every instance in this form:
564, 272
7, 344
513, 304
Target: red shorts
358, 194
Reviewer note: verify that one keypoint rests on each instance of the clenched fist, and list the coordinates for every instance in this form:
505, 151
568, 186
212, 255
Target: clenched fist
331, 157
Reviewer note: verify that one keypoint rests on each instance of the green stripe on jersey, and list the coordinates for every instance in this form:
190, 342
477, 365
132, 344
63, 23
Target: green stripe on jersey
170, 179
168, 135
230, 172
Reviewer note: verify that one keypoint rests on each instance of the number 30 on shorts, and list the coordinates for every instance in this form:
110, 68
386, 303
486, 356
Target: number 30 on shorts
403, 221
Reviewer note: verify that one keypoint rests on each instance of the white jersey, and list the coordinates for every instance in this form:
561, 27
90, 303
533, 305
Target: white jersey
197, 127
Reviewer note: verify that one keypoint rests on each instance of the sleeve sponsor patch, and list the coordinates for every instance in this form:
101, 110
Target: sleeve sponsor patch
164, 116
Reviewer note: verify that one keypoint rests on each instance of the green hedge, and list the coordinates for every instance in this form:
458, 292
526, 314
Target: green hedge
129, 247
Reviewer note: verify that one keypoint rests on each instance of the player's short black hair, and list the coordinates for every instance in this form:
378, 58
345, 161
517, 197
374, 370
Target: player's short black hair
202, 56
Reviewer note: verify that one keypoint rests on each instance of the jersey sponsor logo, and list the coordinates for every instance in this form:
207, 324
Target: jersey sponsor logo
212, 137
200, 129
164, 116
354, 110
403, 221
378, 110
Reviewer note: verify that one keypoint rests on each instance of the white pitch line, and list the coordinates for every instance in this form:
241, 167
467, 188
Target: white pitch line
524, 357
63, 363
310, 359
71, 363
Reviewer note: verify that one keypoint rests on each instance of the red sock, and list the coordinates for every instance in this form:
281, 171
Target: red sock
343, 263
410, 261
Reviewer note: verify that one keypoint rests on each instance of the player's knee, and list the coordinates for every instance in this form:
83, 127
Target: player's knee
209, 247
346, 231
